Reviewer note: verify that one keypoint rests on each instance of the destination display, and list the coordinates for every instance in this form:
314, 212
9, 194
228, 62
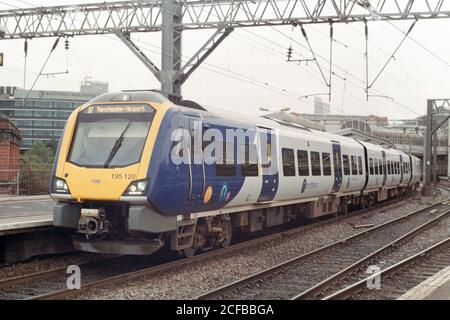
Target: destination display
118, 108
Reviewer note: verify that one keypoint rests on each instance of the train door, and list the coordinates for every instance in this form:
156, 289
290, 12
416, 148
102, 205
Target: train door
196, 164
383, 154
269, 164
337, 166
401, 169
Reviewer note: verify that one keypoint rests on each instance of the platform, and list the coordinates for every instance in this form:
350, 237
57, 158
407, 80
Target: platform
436, 287
21, 213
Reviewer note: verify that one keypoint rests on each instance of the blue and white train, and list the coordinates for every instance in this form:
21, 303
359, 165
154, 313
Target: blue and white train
118, 187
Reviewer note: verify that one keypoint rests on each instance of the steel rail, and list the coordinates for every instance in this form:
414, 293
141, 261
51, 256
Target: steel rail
269, 271
361, 285
332, 280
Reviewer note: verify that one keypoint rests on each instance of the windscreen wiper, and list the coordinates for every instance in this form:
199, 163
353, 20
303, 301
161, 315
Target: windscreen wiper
116, 146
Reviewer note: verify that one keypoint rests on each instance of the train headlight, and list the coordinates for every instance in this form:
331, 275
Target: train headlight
60, 186
137, 188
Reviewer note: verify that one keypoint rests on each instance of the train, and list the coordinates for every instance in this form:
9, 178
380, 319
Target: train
135, 173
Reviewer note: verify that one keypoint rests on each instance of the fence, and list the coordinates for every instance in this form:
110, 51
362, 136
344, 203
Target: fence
34, 178
24, 178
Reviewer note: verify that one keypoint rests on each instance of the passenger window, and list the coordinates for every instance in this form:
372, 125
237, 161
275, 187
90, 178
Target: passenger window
346, 162
225, 163
381, 167
288, 162
371, 166
315, 163
249, 166
360, 165
389, 167
376, 166
303, 163
354, 166
326, 161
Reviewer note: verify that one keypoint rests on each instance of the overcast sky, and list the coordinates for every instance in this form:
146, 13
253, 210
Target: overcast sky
234, 77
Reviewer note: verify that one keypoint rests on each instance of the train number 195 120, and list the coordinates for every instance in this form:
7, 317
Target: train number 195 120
126, 176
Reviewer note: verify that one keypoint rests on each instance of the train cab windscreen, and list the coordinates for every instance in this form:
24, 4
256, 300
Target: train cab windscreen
109, 136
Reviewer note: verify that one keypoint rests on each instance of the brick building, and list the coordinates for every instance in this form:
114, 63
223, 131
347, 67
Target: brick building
9, 156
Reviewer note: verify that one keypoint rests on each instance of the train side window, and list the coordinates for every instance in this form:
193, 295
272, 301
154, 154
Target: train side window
371, 166
381, 167
226, 165
388, 167
315, 163
377, 167
288, 162
303, 163
346, 162
354, 166
360, 166
249, 167
398, 168
326, 161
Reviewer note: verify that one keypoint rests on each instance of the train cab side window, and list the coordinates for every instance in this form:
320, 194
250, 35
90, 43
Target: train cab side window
326, 161
354, 166
288, 162
377, 167
371, 166
249, 165
346, 162
303, 163
315, 163
360, 166
225, 163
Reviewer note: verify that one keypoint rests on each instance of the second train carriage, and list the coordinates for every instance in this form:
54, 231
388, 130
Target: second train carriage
118, 186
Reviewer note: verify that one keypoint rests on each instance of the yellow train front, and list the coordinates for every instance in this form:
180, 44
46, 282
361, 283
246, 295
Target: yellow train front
100, 176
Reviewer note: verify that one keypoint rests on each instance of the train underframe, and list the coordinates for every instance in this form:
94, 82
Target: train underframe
118, 228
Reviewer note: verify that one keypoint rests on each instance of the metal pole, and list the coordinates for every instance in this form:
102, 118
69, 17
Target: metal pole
171, 49
434, 168
448, 151
427, 189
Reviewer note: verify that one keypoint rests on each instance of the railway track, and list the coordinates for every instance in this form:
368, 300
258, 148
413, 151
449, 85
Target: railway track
52, 284
400, 277
312, 274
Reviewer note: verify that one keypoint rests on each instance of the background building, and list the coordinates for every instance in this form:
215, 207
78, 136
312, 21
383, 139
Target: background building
40, 115
9, 156
321, 108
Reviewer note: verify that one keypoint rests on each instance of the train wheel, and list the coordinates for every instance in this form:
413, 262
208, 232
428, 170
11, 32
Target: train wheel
198, 241
227, 233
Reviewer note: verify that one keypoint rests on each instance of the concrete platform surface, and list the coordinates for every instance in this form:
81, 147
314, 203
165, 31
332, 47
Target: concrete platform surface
25, 212
436, 287
8, 198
